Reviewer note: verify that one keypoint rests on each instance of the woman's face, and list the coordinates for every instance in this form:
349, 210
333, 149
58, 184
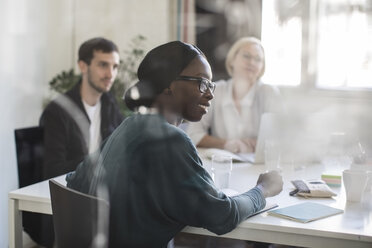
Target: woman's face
188, 102
248, 62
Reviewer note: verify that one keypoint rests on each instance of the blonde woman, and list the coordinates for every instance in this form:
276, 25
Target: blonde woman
233, 119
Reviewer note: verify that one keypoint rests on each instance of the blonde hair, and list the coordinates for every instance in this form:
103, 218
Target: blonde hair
235, 48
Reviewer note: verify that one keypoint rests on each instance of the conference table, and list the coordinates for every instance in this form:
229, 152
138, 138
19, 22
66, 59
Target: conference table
353, 228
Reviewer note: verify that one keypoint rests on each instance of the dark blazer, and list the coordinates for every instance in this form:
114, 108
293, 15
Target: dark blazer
66, 138
66, 130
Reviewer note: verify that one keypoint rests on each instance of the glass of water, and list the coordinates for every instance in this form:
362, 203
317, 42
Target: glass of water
221, 170
272, 155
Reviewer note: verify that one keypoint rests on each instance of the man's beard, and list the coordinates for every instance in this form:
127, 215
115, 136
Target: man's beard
98, 89
93, 85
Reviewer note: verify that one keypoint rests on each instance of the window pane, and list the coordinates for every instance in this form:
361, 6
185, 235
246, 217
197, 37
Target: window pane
344, 54
281, 38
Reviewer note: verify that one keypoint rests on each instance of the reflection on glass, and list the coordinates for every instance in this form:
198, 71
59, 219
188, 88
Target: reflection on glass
337, 157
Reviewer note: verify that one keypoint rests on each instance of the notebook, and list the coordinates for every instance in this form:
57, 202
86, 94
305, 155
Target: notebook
268, 206
305, 212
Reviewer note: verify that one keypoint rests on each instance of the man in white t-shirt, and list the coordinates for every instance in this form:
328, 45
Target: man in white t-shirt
76, 122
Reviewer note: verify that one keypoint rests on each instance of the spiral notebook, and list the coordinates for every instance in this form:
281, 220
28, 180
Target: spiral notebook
305, 212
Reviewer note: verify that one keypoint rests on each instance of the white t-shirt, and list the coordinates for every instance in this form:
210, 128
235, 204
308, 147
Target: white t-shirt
94, 114
224, 119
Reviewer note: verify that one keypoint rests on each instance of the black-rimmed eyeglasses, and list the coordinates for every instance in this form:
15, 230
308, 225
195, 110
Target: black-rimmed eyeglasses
204, 84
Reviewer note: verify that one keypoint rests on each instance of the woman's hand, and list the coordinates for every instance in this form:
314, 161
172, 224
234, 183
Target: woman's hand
271, 183
251, 144
240, 146
235, 146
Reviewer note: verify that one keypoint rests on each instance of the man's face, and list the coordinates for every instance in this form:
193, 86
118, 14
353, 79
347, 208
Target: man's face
102, 71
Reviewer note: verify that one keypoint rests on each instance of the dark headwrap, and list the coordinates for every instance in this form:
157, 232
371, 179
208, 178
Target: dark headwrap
158, 69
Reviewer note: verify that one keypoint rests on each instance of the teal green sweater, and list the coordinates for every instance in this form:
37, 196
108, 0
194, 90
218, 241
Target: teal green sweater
157, 185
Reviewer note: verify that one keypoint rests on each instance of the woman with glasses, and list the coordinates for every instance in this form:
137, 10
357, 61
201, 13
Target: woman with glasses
155, 180
234, 117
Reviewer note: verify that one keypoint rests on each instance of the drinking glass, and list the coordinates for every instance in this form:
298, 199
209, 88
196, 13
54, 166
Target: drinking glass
221, 170
272, 155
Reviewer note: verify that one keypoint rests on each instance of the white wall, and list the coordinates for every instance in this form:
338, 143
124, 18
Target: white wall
40, 38
121, 20
22, 70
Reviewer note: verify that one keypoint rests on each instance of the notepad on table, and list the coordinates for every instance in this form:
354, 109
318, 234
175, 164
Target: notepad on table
306, 212
268, 206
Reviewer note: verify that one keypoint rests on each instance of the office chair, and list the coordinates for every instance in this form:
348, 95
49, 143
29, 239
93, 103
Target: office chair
30, 153
80, 220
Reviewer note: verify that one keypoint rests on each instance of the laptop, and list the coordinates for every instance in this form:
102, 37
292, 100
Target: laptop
266, 131
258, 156
298, 138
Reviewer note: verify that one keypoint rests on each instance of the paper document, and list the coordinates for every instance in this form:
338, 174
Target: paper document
241, 157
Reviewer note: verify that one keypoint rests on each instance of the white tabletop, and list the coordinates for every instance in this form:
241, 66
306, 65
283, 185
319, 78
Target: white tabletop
36, 197
355, 224
353, 228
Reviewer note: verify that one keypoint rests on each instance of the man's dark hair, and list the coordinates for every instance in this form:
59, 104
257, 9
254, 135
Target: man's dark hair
87, 49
